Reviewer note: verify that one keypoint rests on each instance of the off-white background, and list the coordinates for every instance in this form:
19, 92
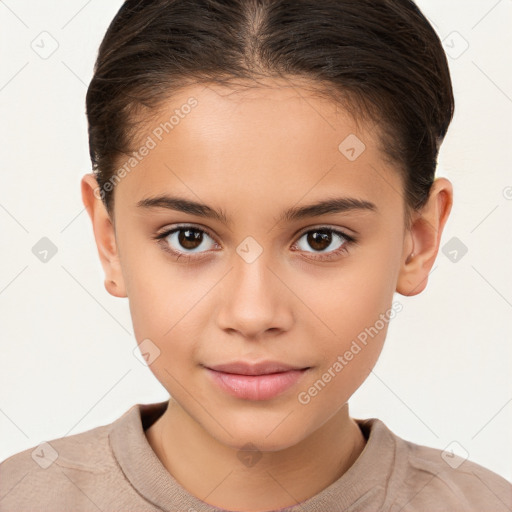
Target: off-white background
67, 362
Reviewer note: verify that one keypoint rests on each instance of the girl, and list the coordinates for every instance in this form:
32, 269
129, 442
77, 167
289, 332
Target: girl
264, 183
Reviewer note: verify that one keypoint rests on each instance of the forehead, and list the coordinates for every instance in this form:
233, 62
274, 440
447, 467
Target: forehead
268, 143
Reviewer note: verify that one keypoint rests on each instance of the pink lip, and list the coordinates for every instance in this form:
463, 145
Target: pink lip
256, 387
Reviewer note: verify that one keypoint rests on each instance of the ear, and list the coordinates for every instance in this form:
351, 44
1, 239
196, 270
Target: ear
423, 239
104, 233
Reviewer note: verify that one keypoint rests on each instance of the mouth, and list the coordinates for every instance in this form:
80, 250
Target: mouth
253, 369
256, 382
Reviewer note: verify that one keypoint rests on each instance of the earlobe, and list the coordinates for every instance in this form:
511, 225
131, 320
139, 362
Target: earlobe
105, 237
424, 237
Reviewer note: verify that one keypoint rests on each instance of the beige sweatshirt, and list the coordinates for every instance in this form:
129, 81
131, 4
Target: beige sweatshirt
113, 468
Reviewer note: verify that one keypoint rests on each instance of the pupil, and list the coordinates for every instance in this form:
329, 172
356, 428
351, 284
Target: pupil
314, 240
187, 241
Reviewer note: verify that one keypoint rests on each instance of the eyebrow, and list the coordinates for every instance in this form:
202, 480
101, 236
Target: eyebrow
334, 205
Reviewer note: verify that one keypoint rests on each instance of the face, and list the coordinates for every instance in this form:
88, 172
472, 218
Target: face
253, 284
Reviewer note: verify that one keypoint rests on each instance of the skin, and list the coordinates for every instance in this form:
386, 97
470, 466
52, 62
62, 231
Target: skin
253, 154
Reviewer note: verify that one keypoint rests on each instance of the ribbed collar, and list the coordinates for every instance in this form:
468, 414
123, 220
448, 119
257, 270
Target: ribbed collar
362, 487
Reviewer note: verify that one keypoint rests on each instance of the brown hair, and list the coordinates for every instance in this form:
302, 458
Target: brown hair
380, 59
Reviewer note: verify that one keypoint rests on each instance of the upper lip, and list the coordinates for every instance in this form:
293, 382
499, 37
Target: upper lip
262, 368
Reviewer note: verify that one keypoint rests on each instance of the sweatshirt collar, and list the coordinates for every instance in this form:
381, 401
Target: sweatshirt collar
364, 483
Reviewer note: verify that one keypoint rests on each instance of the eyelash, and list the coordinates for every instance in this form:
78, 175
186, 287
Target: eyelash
349, 240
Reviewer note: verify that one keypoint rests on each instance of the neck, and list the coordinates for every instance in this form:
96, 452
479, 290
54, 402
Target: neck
212, 471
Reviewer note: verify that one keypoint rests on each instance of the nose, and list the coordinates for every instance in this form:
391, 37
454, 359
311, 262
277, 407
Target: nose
254, 300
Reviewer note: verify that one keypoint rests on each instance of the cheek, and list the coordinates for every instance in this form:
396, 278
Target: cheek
155, 292
169, 307
349, 300
355, 304
162, 324
349, 357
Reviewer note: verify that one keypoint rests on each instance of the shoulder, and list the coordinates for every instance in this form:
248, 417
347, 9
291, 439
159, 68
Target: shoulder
84, 450
65, 472
432, 479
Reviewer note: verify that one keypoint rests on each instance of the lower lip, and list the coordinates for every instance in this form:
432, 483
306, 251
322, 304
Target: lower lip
256, 387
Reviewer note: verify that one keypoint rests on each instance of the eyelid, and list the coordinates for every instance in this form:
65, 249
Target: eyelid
343, 231
166, 231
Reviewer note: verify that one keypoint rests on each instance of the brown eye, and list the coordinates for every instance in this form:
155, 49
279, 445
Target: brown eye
190, 238
185, 240
319, 240
323, 238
